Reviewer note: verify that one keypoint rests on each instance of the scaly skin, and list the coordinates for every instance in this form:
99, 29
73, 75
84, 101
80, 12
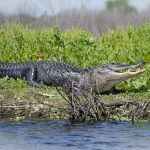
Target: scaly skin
105, 78
34, 72
43, 74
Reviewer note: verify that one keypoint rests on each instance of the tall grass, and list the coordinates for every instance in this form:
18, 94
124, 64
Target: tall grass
21, 44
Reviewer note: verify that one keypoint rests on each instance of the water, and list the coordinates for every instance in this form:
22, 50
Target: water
56, 135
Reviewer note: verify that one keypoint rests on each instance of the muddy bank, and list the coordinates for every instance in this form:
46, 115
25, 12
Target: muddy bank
49, 109
28, 110
28, 102
20, 101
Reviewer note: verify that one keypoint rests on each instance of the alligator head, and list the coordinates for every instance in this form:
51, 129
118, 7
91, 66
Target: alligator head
107, 76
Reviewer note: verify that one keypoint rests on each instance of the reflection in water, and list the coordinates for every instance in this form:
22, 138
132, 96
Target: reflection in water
53, 135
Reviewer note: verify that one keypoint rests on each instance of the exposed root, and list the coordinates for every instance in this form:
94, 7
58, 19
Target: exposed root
91, 108
86, 105
81, 108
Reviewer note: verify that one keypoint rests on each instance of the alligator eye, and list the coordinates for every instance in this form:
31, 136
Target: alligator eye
113, 63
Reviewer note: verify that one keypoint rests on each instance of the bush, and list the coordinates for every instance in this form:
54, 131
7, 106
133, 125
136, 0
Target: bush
19, 44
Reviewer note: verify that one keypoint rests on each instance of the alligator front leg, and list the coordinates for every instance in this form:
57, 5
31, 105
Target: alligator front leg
30, 79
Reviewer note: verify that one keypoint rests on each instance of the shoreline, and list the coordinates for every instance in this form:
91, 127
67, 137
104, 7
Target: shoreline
18, 101
78, 47
40, 105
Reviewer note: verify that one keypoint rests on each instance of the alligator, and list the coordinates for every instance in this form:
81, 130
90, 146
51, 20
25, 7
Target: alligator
103, 79
54, 74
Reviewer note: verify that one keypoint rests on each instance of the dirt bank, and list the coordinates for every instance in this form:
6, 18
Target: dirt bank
41, 104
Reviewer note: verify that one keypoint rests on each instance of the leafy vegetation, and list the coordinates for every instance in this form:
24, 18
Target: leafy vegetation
75, 46
78, 47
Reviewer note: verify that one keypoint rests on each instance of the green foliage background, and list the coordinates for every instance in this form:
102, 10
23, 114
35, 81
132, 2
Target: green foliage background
78, 47
121, 6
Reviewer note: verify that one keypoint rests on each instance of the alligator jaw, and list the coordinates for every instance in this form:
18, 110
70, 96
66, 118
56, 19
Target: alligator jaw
101, 79
109, 76
121, 67
125, 75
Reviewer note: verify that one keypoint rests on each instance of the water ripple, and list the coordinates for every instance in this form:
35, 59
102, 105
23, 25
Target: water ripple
33, 134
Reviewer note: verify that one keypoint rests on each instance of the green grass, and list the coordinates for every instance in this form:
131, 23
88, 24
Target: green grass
78, 47
46, 103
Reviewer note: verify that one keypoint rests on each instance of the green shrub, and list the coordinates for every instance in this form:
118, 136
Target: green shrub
78, 47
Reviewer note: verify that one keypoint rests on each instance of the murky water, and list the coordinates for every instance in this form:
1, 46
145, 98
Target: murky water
56, 135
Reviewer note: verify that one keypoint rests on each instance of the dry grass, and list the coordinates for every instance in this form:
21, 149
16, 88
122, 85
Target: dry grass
96, 22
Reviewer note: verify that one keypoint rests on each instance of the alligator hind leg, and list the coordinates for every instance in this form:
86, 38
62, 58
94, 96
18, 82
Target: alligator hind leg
30, 79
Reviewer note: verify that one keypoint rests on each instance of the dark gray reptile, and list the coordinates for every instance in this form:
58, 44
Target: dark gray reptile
43, 74
38, 74
105, 78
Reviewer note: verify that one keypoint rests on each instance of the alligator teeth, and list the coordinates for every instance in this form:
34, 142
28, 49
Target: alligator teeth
137, 72
130, 70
